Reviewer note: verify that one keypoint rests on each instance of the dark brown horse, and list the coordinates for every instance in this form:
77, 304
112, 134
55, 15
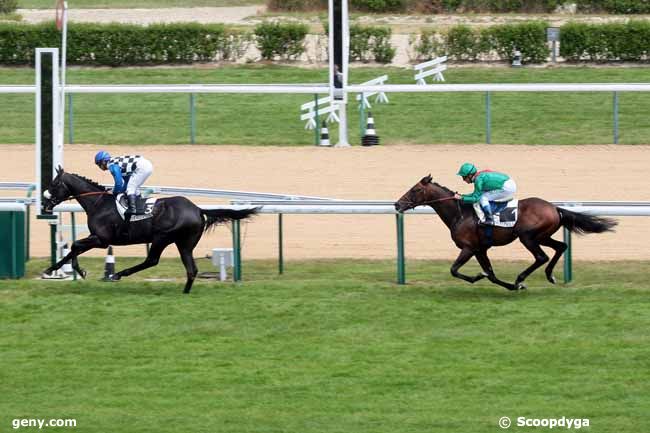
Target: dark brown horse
538, 220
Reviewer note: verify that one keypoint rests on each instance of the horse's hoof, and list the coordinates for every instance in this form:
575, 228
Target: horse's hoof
82, 274
115, 277
551, 279
521, 286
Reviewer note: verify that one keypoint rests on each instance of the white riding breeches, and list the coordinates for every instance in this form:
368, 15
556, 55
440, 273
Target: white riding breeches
505, 194
142, 171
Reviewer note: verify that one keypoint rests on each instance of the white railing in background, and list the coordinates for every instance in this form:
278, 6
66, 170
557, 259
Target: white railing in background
438, 67
540, 87
381, 96
312, 112
18, 89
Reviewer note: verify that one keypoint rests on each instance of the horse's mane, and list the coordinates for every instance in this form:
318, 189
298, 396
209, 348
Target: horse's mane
90, 181
444, 188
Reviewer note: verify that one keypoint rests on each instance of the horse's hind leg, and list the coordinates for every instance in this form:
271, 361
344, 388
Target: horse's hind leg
484, 261
463, 257
531, 245
560, 248
157, 247
185, 248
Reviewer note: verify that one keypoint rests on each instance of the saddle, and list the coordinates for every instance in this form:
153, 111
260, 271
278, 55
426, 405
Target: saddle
143, 207
504, 213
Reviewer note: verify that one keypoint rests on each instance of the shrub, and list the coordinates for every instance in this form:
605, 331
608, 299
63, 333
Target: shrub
463, 43
529, 38
296, 5
614, 6
378, 6
429, 45
8, 6
286, 41
120, 44
369, 42
606, 42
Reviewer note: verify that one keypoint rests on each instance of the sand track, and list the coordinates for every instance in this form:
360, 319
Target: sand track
380, 173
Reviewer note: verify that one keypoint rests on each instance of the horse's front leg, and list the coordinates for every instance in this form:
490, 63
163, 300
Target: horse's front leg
463, 257
78, 247
483, 260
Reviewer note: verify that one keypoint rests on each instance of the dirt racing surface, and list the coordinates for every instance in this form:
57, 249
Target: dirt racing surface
377, 173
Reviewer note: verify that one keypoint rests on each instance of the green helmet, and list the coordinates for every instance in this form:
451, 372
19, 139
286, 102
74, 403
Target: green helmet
466, 169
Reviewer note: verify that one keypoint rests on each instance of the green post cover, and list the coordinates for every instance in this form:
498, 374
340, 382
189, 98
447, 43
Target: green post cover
12, 244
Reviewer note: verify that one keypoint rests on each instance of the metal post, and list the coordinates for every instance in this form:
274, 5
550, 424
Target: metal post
280, 246
317, 117
568, 271
401, 268
192, 119
27, 223
14, 238
53, 242
70, 120
74, 239
236, 244
362, 117
488, 119
615, 117
554, 50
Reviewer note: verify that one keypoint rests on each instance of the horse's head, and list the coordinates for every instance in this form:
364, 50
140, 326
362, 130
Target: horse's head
57, 192
415, 196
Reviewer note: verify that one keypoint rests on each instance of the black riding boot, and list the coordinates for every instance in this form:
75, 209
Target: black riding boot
128, 213
131, 209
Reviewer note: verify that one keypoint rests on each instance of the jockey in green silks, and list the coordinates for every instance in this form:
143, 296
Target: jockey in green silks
489, 186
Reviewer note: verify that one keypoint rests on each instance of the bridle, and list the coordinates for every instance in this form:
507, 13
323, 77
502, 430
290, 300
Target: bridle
438, 200
84, 194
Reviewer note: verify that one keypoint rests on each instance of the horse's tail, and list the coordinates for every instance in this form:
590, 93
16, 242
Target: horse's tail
581, 223
216, 216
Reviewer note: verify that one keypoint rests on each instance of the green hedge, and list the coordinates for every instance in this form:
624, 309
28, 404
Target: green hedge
371, 43
466, 43
614, 6
122, 44
606, 42
464, 6
8, 6
286, 41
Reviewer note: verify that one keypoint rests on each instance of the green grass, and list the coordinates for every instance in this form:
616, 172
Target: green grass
330, 346
13, 16
523, 118
147, 4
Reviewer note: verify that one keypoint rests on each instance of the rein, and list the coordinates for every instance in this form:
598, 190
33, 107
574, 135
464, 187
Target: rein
436, 200
85, 194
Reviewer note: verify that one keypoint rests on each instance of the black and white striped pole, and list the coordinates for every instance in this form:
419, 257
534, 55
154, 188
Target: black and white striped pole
370, 138
324, 135
109, 264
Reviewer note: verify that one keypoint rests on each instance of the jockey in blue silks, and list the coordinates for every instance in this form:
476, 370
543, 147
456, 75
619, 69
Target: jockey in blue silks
129, 173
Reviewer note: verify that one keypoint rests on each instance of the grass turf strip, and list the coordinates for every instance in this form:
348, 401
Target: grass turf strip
331, 346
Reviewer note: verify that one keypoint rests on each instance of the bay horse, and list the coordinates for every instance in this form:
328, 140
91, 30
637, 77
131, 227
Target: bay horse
538, 220
175, 220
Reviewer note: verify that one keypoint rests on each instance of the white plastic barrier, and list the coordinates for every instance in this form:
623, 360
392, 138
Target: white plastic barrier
381, 96
438, 67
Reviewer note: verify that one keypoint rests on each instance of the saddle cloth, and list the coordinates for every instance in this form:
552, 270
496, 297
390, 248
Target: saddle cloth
504, 213
143, 207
